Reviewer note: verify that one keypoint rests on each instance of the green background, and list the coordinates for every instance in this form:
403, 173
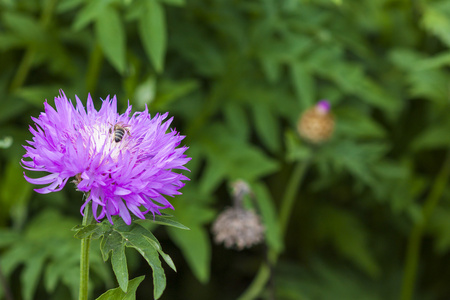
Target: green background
236, 75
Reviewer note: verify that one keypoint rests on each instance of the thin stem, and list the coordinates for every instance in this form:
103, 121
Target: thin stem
415, 238
84, 257
264, 272
289, 195
5, 286
258, 283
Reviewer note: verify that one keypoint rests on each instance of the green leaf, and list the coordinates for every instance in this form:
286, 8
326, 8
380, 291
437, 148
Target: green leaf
8, 237
436, 18
269, 217
96, 230
114, 242
231, 158
165, 221
196, 249
271, 67
355, 123
152, 30
296, 149
35, 95
174, 2
111, 36
31, 275
267, 126
24, 26
47, 243
434, 137
237, 119
139, 238
119, 264
348, 235
303, 83
195, 243
118, 294
67, 5
166, 257
440, 227
89, 13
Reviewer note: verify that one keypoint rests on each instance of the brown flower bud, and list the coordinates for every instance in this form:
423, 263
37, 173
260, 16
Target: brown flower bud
316, 125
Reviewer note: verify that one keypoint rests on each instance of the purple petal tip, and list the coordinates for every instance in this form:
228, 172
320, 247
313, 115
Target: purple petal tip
324, 106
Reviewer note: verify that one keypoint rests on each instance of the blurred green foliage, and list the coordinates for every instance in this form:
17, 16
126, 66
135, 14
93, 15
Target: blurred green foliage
236, 75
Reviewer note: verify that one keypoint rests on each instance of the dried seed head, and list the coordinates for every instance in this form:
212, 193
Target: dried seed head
316, 125
238, 228
240, 188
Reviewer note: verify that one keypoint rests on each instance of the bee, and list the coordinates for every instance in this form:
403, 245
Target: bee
118, 131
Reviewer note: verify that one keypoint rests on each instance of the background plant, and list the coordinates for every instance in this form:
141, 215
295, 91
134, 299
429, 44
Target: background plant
236, 75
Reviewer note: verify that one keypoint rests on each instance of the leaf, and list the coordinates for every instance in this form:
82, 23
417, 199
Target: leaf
303, 83
139, 238
269, 217
354, 123
271, 68
327, 280
174, 2
348, 235
31, 275
47, 243
439, 226
96, 230
355, 158
169, 91
111, 36
152, 30
236, 119
118, 294
196, 249
168, 222
24, 26
8, 237
436, 19
89, 13
434, 137
119, 264
231, 158
114, 242
166, 257
35, 94
67, 5
296, 150
195, 243
267, 126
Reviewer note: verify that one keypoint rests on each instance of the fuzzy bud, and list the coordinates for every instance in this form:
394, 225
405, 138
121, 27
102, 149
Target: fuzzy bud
238, 228
316, 124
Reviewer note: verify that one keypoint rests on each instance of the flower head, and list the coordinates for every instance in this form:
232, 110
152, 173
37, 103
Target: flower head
316, 124
122, 162
238, 228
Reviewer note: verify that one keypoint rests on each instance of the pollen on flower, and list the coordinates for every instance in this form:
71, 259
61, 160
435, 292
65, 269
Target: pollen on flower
134, 173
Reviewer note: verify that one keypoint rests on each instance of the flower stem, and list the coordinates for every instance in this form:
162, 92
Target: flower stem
5, 286
84, 257
415, 238
263, 275
289, 196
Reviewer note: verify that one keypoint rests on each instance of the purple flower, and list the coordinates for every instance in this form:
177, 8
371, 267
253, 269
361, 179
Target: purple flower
123, 163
